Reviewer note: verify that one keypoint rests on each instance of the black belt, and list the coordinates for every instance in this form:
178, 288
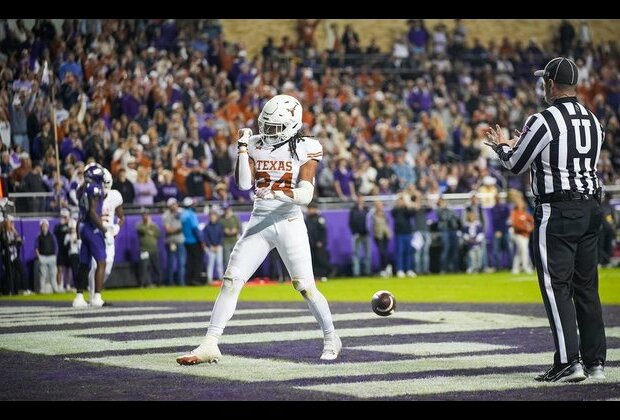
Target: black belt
566, 195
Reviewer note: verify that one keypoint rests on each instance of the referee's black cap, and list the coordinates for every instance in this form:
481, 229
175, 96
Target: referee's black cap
560, 69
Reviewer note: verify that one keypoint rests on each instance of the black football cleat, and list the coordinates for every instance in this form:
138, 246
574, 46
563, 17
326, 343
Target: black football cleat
596, 370
568, 372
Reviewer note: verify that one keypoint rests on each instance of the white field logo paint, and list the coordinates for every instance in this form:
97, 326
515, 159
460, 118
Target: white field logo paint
153, 354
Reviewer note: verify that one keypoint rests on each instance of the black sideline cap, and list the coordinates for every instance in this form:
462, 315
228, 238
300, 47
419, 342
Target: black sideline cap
561, 70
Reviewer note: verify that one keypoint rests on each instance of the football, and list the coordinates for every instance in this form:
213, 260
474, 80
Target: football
383, 303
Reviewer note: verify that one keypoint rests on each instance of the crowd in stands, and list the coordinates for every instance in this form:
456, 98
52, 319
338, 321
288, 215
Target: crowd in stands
159, 103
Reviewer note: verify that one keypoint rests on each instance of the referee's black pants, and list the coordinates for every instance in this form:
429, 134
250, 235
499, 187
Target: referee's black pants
566, 257
194, 264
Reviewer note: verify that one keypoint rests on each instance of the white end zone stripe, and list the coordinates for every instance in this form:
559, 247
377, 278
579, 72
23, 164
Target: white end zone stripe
38, 310
432, 349
444, 384
542, 244
75, 341
252, 369
66, 320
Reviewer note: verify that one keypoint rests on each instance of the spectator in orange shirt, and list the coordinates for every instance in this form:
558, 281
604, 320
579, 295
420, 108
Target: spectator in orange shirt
522, 225
181, 170
231, 109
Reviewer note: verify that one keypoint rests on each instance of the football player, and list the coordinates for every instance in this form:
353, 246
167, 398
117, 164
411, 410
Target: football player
111, 210
282, 165
91, 231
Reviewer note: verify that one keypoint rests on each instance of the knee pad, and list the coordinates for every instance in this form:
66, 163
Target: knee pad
232, 282
305, 287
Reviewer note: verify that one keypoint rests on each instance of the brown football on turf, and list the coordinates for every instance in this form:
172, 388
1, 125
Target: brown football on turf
383, 303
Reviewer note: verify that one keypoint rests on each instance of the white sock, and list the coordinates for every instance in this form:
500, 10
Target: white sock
330, 336
91, 281
320, 309
224, 308
97, 296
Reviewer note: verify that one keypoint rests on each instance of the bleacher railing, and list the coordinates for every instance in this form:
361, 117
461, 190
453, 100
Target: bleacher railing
455, 200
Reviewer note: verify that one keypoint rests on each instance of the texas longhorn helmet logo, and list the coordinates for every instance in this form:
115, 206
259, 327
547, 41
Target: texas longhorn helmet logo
292, 110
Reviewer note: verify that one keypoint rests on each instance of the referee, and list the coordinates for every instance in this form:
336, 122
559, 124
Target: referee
561, 147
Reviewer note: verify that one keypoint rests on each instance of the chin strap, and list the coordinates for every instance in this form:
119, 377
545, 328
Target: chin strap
277, 146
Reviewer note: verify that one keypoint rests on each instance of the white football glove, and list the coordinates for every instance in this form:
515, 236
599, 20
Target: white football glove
265, 193
109, 238
244, 136
112, 228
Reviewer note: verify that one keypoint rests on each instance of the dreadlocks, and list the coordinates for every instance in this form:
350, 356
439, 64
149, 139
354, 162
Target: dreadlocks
292, 144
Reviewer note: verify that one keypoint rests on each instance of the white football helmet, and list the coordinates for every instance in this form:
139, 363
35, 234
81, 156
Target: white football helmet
280, 119
107, 181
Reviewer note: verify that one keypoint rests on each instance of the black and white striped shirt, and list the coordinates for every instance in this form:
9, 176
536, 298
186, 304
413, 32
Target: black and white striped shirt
561, 146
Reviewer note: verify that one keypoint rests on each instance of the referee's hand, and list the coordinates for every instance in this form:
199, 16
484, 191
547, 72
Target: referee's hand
496, 138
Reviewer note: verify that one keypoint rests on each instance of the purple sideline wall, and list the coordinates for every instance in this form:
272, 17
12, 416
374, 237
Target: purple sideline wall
127, 247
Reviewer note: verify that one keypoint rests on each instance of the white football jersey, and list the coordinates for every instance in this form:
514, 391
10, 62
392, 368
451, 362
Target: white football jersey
279, 170
110, 203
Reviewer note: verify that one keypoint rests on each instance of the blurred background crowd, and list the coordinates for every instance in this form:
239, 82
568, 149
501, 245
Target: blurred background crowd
159, 103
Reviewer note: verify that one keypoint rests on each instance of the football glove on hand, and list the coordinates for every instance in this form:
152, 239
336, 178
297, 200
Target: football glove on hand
244, 135
109, 238
114, 229
265, 193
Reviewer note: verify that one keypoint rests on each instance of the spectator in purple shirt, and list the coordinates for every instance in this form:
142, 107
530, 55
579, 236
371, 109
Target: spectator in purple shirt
344, 184
237, 193
72, 145
201, 115
502, 245
130, 102
144, 188
169, 33
176, 94
246, 77
612, 84
207, 132
420, 98
331, 101
168, 188
417, 36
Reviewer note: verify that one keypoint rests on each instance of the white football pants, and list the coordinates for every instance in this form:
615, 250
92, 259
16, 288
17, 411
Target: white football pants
286, 233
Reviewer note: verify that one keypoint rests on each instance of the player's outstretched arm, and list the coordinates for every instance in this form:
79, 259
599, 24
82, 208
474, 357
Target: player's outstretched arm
244, 171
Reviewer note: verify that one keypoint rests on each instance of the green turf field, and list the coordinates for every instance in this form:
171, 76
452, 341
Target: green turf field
500, 287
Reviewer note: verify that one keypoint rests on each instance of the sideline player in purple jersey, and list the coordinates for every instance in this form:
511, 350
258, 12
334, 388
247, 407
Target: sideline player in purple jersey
91, 231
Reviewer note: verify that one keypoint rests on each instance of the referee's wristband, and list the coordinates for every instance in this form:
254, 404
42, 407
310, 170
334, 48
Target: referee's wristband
502, 153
